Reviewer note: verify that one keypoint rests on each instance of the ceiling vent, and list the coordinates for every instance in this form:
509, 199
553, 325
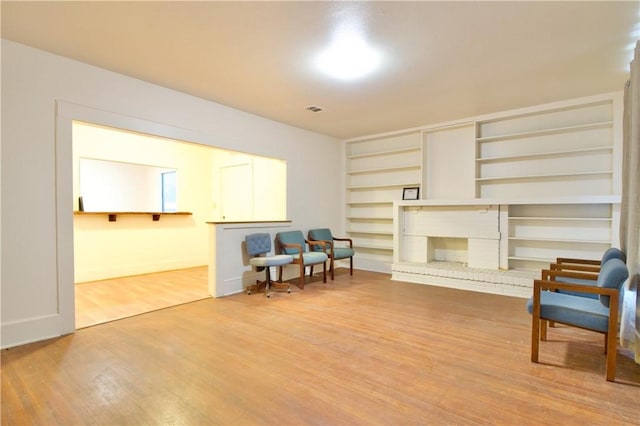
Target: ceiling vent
314, 108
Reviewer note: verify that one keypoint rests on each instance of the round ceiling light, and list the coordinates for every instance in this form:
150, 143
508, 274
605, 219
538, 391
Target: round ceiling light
348, 58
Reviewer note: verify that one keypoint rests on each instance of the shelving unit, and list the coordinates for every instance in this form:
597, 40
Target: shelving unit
554, 170
540, 233
564, 151
377, 170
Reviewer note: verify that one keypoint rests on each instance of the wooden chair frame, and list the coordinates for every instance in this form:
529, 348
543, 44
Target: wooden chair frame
332, 257
300, 260
539, 324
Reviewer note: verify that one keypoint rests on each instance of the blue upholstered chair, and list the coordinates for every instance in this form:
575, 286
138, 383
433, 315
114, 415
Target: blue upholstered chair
334, 252
258, 246
294, 244
580, 271
600, 315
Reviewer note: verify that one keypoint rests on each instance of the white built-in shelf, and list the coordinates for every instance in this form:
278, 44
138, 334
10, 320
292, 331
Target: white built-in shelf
568, 219
370, 203
559, 240
545, 154
531, 259
546, 176
372, 217
568, 129
373, 232
384, 169
372, 246
386, 185
386, 152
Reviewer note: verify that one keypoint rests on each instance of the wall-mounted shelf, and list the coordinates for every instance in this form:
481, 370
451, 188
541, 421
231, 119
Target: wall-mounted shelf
560, 240
533, 155
545, 176
549, 131
155, 216
386, 152
559, 219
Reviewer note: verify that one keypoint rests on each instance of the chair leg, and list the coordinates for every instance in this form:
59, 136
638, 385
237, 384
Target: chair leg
351, 266
611, 349
332, 268
543, 330
535, 338
324, 272
535, 325
612, 339
267, 286
301, 276
311, 271
278, 285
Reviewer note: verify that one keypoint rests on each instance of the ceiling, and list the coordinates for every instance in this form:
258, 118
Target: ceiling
441, 60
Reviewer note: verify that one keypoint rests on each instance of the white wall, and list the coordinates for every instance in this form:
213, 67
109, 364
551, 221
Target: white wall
40, 93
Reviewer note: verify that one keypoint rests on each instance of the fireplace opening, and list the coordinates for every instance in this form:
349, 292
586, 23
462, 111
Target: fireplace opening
448, 249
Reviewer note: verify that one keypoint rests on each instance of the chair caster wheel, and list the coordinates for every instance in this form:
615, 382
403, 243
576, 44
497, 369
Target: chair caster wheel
249, 292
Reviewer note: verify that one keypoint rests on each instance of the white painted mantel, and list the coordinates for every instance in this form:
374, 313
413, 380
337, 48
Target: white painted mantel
465, 243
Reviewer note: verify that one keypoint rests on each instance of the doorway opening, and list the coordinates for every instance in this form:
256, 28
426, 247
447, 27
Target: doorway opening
141, 204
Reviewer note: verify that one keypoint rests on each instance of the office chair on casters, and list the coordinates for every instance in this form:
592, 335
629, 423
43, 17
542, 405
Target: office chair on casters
258, 246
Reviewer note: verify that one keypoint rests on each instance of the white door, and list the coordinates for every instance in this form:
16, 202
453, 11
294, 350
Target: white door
237, 192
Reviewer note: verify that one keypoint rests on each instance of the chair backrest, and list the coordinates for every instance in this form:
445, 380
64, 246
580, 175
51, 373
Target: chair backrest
612, 275
322, 234
292, 237
258, 243
613, 253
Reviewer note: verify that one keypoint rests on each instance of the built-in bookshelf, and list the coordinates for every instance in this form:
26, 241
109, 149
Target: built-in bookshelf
539, 233
563, 151
568, 152
377, 171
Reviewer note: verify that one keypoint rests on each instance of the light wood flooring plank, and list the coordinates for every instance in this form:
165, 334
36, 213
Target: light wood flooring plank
357, 351
108, 300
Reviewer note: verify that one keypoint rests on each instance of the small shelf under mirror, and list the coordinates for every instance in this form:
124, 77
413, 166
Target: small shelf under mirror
155, 216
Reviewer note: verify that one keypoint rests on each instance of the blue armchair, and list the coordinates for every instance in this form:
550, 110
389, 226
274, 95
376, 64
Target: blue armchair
600, 315
294, 244
334, 252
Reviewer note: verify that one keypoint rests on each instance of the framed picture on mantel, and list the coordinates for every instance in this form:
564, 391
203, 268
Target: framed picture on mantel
411, 193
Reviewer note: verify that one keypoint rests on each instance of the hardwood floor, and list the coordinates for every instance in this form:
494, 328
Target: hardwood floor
107, 300
362, 350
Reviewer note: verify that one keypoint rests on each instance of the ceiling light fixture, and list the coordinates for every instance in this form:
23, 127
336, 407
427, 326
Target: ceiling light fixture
348, 57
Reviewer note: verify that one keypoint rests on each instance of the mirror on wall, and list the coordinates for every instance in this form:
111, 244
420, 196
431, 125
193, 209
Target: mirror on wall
113, 186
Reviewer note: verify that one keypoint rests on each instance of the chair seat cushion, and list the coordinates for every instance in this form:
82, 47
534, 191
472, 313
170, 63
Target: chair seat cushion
342, 252
312, 257
573, 310
277, 260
